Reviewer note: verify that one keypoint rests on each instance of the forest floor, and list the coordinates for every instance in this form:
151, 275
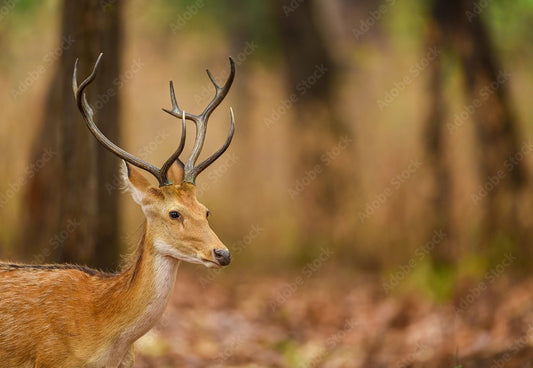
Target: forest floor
337, 321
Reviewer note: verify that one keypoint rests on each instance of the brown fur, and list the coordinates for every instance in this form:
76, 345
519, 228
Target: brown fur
63, 316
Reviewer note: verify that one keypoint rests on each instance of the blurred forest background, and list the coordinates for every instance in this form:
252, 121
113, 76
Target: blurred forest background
377, 188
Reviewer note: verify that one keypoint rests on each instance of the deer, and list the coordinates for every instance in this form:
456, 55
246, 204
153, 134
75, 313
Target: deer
71, 316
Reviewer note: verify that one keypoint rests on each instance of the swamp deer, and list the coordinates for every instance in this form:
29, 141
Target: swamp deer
68, 316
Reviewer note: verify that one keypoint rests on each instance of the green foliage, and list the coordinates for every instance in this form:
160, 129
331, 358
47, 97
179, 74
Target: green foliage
472, 266
250, 21
20, 10
403, 19
21, 7
511, 23
438, 281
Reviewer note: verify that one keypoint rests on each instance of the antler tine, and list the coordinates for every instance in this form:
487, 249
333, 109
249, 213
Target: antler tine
201, 127
177, 153
190, 171
87, 113
221, 92
213, 78
176, 111
191, 176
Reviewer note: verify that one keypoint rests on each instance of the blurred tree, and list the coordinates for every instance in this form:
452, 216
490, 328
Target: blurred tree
458, 26
68, 215
434, 140
320, 137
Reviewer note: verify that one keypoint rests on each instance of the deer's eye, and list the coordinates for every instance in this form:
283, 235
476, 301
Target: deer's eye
174, 214
207, 214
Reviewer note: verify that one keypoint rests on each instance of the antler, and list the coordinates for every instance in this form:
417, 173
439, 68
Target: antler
87, 113
190, 170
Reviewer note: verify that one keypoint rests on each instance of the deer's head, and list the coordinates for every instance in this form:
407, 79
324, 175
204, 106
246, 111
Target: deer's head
176, 221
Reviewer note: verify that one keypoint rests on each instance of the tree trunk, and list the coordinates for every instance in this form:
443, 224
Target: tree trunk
322, 140
439, 220
501, 168
496, 129
68, 215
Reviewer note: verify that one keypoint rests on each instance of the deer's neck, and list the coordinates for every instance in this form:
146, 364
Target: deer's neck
143, 291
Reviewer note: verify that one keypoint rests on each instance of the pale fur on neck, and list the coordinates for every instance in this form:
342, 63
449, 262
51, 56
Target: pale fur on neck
165, 270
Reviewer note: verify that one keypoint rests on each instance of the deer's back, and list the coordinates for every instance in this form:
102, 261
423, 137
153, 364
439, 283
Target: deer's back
48, 315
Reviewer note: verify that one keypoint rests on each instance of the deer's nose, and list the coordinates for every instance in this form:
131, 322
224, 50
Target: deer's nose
223, 256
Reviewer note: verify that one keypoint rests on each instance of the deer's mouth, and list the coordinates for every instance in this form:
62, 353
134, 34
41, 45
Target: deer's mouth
209, 263
199, 260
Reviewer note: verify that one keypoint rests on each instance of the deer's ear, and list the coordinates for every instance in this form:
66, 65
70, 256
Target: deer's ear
175, 173
135, 182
